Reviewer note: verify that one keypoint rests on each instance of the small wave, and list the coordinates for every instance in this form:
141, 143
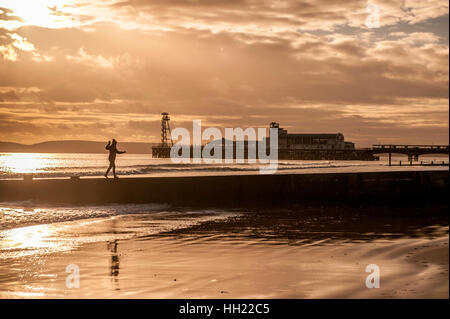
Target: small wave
27, 213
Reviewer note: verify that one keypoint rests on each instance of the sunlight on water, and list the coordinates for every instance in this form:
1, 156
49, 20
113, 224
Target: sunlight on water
24, 162
65, 228
26, 240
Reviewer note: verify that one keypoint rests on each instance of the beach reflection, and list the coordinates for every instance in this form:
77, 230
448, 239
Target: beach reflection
26, 240
115, 263
301, 250
320, 225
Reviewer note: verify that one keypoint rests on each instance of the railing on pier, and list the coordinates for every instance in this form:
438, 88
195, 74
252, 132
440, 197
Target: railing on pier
410, 147
413, 151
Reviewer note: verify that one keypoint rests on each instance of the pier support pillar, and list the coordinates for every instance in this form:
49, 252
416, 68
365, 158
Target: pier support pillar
410, 159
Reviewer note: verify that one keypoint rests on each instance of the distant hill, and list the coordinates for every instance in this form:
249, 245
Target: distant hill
74, 147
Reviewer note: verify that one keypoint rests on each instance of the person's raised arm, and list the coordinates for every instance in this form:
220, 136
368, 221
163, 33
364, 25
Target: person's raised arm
121, 152
107, 146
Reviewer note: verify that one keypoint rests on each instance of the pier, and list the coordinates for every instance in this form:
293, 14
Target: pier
294, 146
365, 154
412, 151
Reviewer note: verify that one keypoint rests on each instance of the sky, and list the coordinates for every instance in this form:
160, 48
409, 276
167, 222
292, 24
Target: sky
376, 71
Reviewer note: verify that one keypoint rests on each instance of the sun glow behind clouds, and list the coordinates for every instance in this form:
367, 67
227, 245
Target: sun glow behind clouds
43, 13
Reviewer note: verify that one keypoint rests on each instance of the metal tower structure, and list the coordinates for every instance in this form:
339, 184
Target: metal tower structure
166, 135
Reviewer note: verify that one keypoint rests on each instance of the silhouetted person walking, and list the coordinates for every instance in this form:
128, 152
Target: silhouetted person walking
113, 151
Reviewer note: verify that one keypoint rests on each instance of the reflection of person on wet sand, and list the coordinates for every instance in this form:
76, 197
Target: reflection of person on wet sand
115, 264
113, 151
114, 258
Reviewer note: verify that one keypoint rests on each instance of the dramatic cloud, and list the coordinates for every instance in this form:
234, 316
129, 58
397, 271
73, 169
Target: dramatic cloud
98, 69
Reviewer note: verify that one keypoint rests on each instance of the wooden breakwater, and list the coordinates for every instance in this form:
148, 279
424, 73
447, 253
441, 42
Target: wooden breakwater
325, 189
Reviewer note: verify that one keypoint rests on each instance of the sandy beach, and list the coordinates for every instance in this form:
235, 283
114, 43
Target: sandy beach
287, 254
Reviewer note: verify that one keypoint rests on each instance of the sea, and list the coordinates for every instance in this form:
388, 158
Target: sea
27, 228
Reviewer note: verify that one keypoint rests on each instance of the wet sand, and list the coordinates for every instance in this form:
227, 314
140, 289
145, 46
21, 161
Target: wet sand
253, 255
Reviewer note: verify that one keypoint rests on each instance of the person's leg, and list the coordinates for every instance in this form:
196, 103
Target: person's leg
109, 168
114, 170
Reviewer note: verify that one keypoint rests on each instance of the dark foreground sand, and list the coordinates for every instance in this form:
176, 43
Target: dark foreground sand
251, 256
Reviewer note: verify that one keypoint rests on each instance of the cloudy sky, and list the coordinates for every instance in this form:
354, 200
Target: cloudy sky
93, 70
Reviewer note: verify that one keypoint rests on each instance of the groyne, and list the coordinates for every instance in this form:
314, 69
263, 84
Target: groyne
325, 189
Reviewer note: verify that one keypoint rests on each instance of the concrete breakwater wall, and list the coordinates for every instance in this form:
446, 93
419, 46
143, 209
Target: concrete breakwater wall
325, 189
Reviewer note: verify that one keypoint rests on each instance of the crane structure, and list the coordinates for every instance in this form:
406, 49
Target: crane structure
166, 134
163, 149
